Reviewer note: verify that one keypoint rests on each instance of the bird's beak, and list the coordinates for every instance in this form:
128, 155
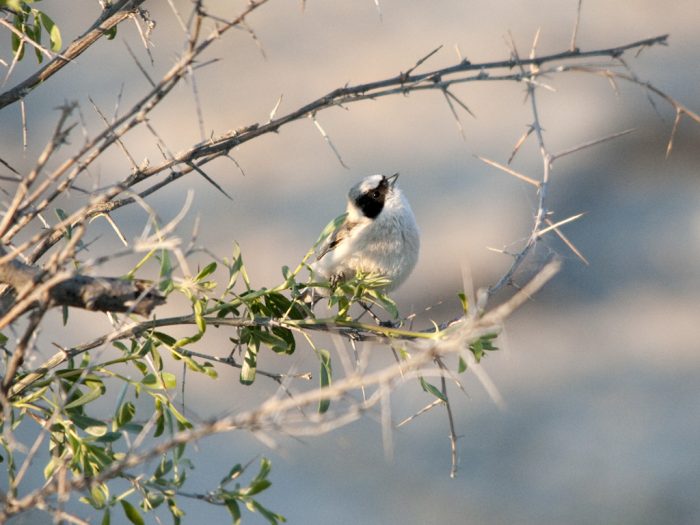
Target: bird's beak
392, 179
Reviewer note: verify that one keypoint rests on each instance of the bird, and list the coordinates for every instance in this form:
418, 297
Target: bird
378, 236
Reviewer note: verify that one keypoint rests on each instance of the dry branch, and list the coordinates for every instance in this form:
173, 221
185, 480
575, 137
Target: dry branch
107, 294
194, 158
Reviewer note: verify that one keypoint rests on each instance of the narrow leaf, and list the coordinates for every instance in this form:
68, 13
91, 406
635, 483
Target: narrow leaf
462, 366
234, 510
250, 363
89, 396
432, 389
325, 378
133, 515
207, 270
54, 32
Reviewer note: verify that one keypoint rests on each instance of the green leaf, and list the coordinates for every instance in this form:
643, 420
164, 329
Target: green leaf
125, 414
201, 323
325, 378
13, 5
160, 420
131, 513
51, 467
176, 511
99, 493
36, 36
166, 272
109, 437
164, 338
164, 467
280, 341
287, 336
265, 468
210, 370
89, 396
477, 348
183, 423
133, 428
29, 398
111, 33
53, 31
234, 473
462, 366
207, 270
166, 380
234, 510
432, 389
250, 363
465, 302
120, 346
153, 500
90, 425
271, 517
256, 487
280, 306
17, 43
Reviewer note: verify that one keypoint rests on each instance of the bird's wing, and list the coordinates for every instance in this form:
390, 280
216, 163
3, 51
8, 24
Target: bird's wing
340, 233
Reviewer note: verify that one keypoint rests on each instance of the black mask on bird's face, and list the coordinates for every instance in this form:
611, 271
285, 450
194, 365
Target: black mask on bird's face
371, 201
370, 195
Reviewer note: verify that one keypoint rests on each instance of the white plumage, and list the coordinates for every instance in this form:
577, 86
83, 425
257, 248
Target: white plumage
379, 235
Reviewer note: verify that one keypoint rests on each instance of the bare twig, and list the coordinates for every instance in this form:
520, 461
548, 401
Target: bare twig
574, 32
453, 433
592, 143
509, 171
328, 140
556, 225
568, 243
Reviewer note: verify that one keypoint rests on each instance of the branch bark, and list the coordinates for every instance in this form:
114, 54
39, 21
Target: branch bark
107, 294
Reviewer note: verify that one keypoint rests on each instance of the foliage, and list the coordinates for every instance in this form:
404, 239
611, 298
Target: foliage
32, 23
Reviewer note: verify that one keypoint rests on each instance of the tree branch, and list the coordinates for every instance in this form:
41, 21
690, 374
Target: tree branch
107, 294
111, 17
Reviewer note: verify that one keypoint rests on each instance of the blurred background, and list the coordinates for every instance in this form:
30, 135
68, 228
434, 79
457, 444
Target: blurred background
599, 372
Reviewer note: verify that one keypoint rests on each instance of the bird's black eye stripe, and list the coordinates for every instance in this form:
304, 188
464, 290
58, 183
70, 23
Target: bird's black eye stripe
370, 206
372, 202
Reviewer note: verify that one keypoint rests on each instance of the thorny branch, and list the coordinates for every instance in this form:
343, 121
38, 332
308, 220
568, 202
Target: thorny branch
199, 155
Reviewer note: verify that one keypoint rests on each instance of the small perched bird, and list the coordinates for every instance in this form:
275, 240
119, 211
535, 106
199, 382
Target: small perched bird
378, 236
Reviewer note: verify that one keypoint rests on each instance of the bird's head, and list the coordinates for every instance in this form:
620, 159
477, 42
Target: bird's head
368, 196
